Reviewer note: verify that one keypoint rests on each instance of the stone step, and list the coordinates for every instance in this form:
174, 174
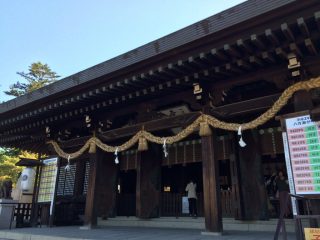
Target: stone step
195, 223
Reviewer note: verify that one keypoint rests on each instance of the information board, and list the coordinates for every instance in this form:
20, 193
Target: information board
185, 205
312, 233
48, 180
304, 150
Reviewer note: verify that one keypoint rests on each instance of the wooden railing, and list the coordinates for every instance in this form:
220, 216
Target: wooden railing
171, 204
226, 203
21, 215
69, 211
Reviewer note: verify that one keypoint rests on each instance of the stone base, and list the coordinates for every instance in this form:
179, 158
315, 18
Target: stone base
211, 233
6, 212
87, 227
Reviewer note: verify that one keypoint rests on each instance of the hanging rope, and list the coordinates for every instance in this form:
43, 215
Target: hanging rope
204, 121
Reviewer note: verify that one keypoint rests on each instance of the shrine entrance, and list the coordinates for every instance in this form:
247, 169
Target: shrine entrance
126, 197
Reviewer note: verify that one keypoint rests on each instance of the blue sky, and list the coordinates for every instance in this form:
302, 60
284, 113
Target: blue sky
72, 35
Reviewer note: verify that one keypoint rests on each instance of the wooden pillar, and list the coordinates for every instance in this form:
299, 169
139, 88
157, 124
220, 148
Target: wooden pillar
53, 206
79, 177
107, 186
253, 190
148, 182
90, 218
34, 206
211, 186
235, 177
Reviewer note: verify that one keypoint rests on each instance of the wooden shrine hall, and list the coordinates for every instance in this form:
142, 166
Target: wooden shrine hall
232, 66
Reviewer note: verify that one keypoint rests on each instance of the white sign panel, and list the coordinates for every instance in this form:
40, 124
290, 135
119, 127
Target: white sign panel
289, 171
304, 150
185, 205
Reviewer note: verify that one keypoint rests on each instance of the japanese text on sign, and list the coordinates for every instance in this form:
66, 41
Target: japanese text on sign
48, 180
303, 141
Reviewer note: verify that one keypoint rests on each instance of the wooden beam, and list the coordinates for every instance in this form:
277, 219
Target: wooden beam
244, 46
155, 125
266, 56
232, 68
243, 64
252, 105
220, 71
295, 49
310, 46
174, 68
164, 71
282, 54
231, 51
257, 42
204, 58
255, 60
206, 75
184, 66
303, 27
195, 63
272, 37
218, 55
287, 32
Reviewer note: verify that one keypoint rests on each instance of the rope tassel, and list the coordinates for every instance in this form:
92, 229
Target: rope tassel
204, 129
143, 144
93, 147
241, 142
67, 168
116, 160
164, 146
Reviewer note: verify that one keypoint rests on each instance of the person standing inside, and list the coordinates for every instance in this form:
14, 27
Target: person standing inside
283, 193
192, 198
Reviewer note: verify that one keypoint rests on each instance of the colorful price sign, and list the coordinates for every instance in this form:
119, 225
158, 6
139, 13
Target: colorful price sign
304, 150
48, 180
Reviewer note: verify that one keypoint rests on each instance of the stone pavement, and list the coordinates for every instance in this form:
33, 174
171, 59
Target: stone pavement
128, 233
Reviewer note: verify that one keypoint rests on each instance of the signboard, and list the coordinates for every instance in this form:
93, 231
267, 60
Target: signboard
289, 171
312, 233
48, 180
302, 143
185, 205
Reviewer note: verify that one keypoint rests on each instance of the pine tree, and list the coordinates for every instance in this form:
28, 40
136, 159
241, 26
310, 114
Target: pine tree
38, 76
